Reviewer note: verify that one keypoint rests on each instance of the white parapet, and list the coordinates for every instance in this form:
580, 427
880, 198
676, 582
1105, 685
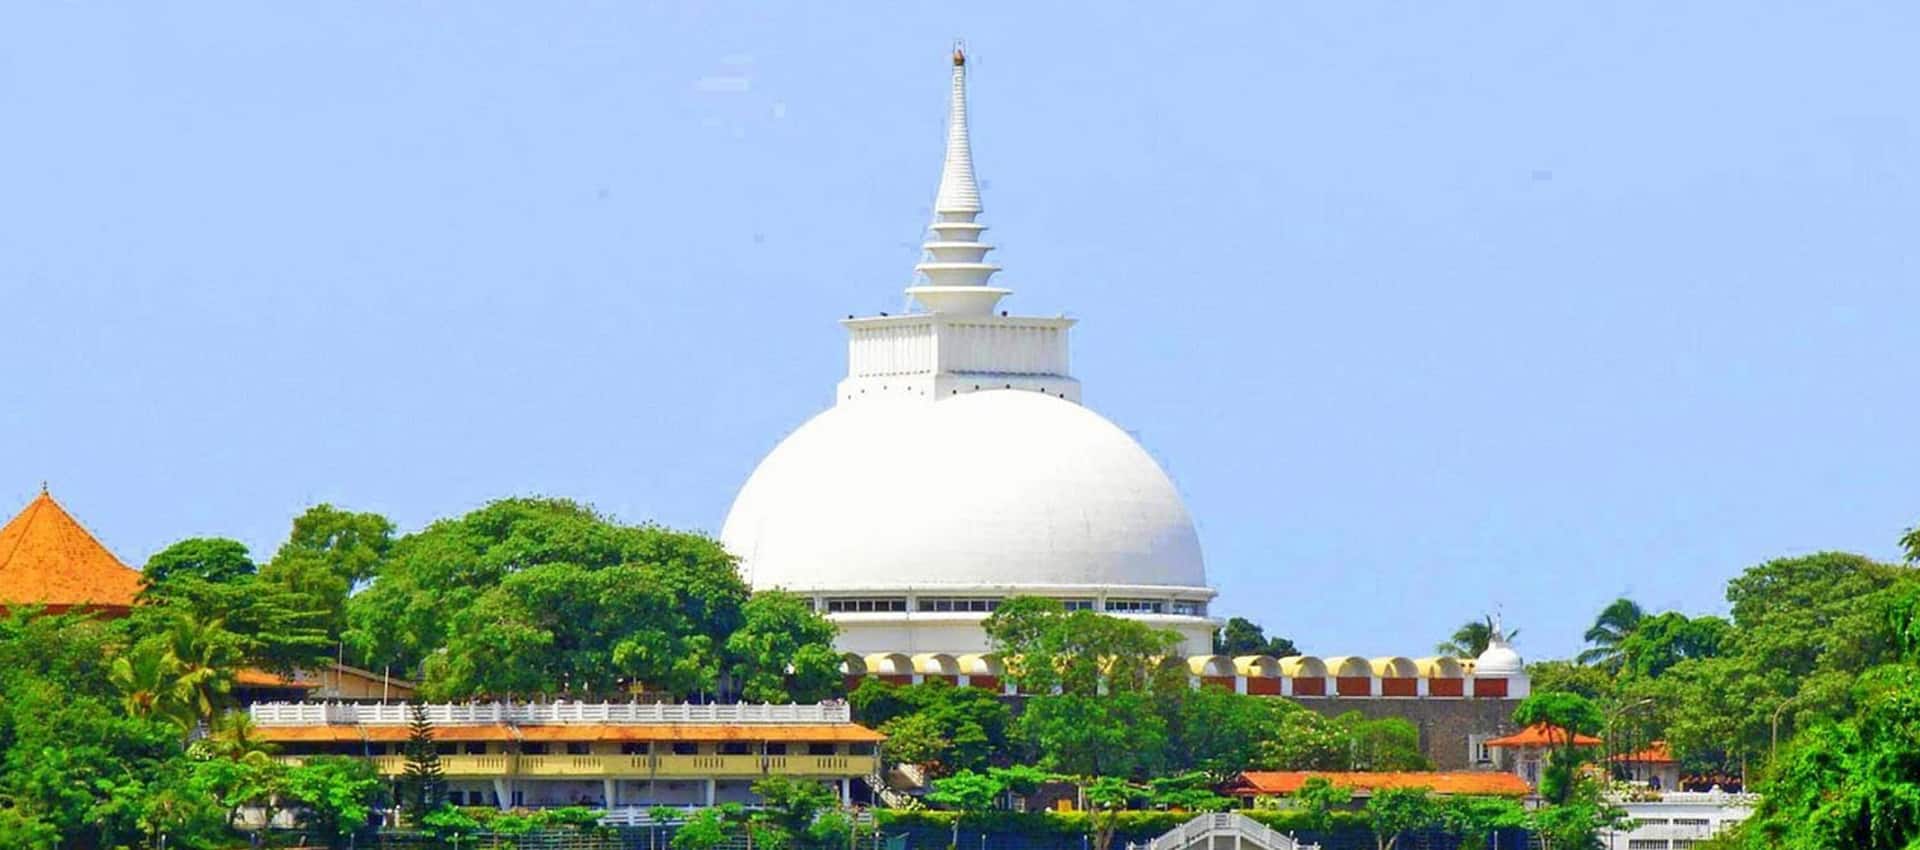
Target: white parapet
543, 713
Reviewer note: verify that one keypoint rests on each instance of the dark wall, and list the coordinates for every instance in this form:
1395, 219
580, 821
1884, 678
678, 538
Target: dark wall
1444, 723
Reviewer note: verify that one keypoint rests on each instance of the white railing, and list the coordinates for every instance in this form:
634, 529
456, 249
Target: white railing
545, 713
1202, 829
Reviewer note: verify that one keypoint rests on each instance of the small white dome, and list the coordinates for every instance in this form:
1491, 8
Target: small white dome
996, 490
1499, 659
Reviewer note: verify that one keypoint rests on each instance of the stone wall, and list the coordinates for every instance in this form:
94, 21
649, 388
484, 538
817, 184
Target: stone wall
1444, 724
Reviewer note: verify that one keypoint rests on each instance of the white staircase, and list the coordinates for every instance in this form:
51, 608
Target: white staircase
1224, 831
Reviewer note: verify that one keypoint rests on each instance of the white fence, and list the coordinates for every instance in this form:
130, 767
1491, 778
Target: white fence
545, 713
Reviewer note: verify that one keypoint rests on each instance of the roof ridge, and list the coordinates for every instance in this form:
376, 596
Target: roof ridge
25, 519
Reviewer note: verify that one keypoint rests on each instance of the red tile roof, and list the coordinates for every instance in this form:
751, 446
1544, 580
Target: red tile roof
1286, 782
47, 558
1542, 735
1655, 753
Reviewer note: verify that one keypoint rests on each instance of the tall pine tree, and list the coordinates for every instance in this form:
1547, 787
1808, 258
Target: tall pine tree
423, 784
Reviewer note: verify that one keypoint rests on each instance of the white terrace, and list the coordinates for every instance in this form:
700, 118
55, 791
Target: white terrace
541, 714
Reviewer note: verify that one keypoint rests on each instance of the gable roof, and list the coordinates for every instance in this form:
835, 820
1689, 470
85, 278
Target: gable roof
1543, 735
1287, 782
47, 558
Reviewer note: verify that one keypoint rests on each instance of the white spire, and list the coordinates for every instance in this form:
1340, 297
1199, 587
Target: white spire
955, 265
959, 194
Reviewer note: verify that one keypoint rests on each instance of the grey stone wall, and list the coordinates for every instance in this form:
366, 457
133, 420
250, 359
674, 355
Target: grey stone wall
1444, 724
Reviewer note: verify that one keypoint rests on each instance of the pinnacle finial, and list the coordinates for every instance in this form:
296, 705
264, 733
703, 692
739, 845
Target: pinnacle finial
43, 487
955, 267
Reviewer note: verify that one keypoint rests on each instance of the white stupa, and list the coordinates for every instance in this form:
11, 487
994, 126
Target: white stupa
957, 468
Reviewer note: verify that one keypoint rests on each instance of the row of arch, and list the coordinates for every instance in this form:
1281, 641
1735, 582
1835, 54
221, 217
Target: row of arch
1203, 666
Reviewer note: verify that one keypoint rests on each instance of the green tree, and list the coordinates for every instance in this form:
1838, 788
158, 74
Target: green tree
1615, 624
1663, 640
1046, 647
1383, 744
968, 793
792, 804
328, 552
1307, 741
1222, 733
1393, 812
1317, 799
1095, 736
783, 651
1567, 716
210, 559
952, 728
423, 781
1577, 821
1570, 676
705, 830
270, 626
1186, 792
1474, 818
1472, 638
1241, 636
1107, 797
530, 596
450, 825
336, 795
149, 681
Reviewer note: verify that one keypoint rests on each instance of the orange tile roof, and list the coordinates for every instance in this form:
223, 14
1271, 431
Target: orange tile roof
1655, 753
798, 733
47, 558
1286, 782
250, 677
1542, 735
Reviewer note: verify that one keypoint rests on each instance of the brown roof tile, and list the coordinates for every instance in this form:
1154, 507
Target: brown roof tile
1285, 782
47, 558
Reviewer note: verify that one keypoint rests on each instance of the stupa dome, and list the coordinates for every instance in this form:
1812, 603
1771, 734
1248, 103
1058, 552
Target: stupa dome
997, 490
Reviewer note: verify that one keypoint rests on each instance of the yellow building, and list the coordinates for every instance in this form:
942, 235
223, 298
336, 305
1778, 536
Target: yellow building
607, 755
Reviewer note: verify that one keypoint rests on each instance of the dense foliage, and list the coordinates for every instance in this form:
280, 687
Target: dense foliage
529, 597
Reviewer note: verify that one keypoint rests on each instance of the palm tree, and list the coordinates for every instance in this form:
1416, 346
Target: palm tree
148, 678
206, 656
1611, 629
1471, 639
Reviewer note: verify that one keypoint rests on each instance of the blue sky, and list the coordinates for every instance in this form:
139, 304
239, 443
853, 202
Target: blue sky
1428, 308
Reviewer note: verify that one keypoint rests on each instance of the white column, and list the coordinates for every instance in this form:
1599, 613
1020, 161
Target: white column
610, 788
710, 792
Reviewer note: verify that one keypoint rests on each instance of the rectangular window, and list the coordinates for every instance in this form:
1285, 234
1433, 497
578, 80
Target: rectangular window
579, 748
1477, 750
1136, 606
819, 749
1077, 604
1189, 608
860, 749
866, 605
735, 748
633, 748
1646, 844
686, 748
476, 748
950, 603
533, 748
776, 749
1692, 822
446, 748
